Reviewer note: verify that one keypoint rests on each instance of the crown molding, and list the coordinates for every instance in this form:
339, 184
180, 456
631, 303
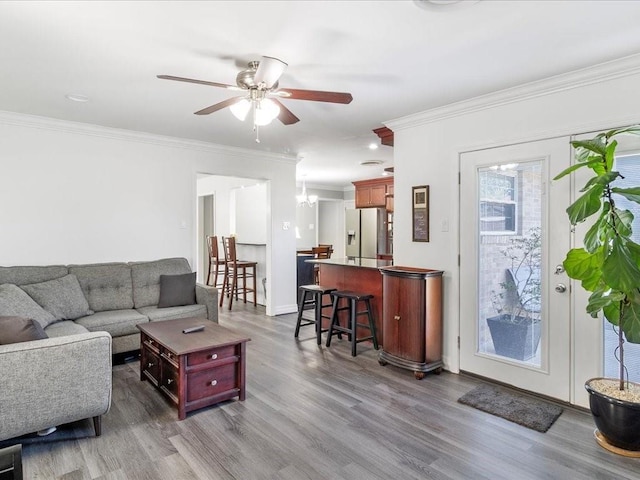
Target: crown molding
66, 126
602, 72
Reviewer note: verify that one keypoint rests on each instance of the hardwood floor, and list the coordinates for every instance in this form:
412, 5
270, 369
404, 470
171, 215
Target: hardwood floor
318, 413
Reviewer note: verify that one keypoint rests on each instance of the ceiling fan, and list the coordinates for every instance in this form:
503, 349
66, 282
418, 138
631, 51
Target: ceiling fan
259, 82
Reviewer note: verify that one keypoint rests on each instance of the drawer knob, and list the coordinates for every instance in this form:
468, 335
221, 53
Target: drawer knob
169, 381
214, 383
150, 364
214, 356
396, 317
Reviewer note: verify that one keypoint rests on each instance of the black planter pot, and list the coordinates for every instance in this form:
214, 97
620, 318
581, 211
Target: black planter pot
518, 340
617, 420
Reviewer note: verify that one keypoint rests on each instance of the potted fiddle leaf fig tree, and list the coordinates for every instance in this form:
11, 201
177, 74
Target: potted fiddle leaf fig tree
515, 330
608, 266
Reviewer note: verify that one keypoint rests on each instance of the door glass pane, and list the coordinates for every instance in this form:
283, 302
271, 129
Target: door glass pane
629, 168
509, 246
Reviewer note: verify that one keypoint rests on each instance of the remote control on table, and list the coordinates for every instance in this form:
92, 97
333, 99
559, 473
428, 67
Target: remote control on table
199, 328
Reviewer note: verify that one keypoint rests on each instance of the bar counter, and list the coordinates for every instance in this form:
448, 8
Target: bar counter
356, 274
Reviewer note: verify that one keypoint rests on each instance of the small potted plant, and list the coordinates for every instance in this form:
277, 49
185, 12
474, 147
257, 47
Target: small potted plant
608, 266
515, 331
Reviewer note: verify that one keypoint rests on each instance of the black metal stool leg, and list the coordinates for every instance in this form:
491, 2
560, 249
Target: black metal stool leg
303, 300
372, 325
333, 320
353, 307
318, 313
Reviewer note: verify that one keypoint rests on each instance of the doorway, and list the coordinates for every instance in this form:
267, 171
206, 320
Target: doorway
206, 227
515, 300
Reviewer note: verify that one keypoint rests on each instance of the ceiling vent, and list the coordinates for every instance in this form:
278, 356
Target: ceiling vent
371, 163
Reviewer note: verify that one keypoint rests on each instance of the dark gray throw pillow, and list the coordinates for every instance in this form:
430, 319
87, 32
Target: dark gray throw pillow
20, 329
62, 297
177, 290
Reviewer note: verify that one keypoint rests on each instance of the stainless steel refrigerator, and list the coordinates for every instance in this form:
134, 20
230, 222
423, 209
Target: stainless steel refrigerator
366, 232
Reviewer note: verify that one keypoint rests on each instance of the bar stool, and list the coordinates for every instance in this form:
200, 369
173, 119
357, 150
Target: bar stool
214, 262
235, 269
352, 299
312, 297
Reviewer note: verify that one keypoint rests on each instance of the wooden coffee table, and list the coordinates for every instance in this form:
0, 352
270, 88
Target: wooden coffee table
194, 370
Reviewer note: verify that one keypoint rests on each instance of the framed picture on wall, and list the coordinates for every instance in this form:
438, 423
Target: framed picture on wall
420, 213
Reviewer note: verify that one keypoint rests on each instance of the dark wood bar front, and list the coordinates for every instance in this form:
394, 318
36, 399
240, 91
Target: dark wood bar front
357, 275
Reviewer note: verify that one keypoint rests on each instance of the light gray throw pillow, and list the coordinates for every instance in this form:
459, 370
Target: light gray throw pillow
15, 302
62, 297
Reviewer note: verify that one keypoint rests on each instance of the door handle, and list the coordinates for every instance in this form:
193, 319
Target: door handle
561, 288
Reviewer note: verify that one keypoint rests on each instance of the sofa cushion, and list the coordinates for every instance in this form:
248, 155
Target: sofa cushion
177, 290
31, 274
62, 297
19, 329
64, 328
155, 314
115, 322
146, 278
107, 286
15, 302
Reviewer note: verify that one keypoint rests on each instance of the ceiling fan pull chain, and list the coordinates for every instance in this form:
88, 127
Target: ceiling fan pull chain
256, 128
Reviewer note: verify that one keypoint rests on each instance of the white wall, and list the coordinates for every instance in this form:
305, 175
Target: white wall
306, 226
76, 193
250, 214
427, 148
331, 227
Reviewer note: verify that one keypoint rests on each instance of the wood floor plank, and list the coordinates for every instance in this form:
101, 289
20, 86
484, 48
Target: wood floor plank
318, 413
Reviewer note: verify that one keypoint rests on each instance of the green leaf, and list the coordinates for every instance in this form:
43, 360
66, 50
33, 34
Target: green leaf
584, 266
632, 194
610, 155
632, 130
620, 270
612, 313
605, 178
586, 205
567, 171
597, 301
631, 319
596, 145
623, 220
634, 248
592, 238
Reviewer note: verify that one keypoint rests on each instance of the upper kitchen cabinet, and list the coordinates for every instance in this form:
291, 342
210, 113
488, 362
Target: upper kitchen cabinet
373, 193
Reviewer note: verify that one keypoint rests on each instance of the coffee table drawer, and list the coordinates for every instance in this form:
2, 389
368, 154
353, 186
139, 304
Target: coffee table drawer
211, 382
213, 355
170, 380
150, 363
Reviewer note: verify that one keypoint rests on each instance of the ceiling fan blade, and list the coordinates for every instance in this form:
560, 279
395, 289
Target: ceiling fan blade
285, 115
269, 71
219, 106
314, 95
201, 82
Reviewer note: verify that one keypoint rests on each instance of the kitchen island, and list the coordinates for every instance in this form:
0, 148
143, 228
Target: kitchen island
357, 275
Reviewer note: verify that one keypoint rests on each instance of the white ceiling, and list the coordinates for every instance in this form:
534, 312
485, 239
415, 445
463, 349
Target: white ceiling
394, 57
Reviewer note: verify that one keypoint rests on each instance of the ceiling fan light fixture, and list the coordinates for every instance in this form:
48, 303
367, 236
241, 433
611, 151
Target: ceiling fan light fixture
266, 111
241, 109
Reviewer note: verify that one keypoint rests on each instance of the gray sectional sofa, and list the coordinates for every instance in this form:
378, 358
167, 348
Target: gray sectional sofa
67, 377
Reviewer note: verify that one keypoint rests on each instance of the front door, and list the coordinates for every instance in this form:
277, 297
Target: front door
515, 296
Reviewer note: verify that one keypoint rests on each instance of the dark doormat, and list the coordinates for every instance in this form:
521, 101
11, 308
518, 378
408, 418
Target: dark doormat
515, 407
